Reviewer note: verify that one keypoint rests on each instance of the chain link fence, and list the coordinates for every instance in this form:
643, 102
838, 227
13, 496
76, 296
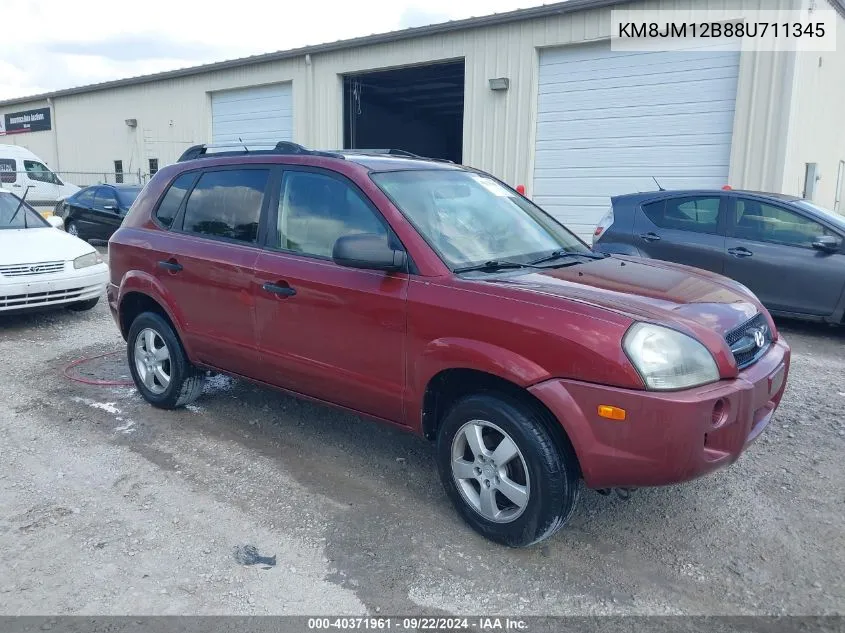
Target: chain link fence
44, 189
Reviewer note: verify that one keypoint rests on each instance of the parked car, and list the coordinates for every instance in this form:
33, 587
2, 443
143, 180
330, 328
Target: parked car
21, 170
41, 266
96, 212
787, 250
435, 298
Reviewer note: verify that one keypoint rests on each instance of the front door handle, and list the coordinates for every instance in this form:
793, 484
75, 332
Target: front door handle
650, 237
171, 264
740, 252
283, 290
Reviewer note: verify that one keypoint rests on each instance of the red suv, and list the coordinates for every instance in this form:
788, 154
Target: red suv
434, 297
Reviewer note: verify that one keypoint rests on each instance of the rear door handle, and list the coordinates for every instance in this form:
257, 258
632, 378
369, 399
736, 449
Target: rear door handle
278, 289
740, 252
650, 237
171, 265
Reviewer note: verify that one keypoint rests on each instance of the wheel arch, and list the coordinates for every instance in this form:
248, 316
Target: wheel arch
134, 303
141, 290
449, 385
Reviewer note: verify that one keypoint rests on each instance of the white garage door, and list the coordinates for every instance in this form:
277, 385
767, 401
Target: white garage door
261, 113
610, 121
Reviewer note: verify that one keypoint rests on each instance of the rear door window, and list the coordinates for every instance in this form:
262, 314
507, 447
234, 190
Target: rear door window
169, 206
105, 198
760, 222
693, 214
227, 204
8, 171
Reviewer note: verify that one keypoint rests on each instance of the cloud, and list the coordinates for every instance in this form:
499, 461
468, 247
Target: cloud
72, 44
135, 46
416, 16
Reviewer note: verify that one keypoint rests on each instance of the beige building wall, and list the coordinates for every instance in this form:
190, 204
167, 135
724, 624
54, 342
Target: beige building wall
816, 130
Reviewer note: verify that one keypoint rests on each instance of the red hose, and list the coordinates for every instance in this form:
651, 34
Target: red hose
94, 381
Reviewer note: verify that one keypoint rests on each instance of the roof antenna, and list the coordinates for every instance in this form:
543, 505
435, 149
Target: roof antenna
657, 183
246, 149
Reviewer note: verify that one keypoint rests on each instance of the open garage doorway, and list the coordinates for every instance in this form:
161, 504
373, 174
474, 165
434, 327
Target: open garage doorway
418, 109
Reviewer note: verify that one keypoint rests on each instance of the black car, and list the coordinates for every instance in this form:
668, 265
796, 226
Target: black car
94, 213
787, 250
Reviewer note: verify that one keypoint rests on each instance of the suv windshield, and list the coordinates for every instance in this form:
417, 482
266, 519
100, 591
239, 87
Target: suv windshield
27, 217
470, 219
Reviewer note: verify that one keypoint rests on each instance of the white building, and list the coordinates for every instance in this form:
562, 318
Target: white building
574, 122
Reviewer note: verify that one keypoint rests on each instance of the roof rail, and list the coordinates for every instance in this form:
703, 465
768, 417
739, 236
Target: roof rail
393, 152
243, 149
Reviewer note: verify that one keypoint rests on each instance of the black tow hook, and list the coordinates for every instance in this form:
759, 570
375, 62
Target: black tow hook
622, 493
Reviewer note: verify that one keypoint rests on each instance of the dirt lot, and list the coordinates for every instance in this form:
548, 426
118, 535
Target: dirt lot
108, 506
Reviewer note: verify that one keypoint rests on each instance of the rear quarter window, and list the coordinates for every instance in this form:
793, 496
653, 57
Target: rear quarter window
172, 200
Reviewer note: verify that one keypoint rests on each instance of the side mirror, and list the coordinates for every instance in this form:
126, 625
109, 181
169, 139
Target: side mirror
56, 222
368, 252
827, 243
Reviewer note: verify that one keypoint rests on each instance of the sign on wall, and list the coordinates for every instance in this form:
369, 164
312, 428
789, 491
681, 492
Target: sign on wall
37, 120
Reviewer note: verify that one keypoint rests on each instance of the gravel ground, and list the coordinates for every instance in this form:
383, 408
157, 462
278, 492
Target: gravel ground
108, 506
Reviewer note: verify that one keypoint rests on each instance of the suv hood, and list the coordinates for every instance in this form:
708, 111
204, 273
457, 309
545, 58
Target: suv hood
26, 246
646, 290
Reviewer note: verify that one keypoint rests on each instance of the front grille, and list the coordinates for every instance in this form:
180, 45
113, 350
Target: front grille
28, 270
37, 298
749, 341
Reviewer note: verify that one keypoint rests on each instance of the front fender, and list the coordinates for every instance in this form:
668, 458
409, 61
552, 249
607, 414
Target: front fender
461, 353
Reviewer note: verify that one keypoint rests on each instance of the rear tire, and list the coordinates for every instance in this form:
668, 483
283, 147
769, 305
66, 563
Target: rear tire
72, 228
160, 368
491, 442
82, 306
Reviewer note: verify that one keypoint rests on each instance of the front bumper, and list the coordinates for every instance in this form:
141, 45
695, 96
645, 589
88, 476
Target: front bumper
667, 438
53, 289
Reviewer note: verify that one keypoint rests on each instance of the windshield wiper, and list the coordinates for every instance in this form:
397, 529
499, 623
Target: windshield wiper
564, 255
493, 265
20, 204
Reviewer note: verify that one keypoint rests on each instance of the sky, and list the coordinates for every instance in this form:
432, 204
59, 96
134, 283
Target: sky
53, 44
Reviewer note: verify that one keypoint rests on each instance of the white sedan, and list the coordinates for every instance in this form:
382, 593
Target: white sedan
41, 265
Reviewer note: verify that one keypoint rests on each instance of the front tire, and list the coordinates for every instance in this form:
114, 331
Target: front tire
160, 368
504, 472
82, 306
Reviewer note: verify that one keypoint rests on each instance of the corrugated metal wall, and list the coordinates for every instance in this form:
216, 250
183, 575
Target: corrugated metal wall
817, 122
171, 116
499, 128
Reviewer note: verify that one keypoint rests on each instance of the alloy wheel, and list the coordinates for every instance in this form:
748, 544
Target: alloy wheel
490, 471
152, 361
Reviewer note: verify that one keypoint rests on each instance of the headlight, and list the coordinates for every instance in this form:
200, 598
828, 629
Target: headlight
90, 259
667, 359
